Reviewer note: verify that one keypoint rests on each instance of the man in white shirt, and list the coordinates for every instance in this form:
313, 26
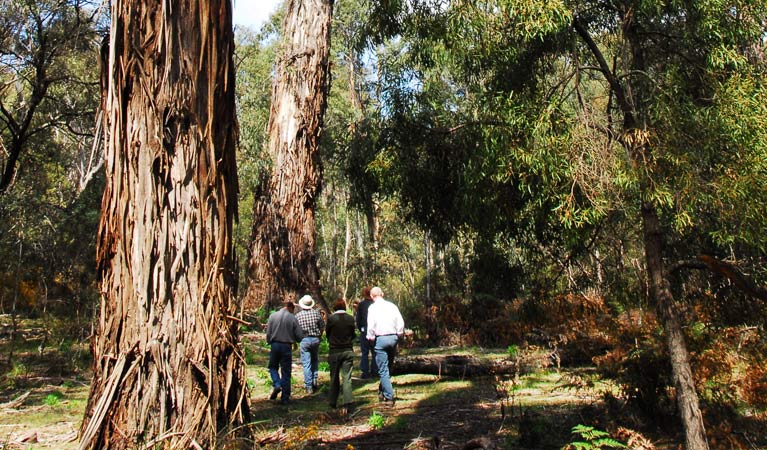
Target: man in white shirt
385, 327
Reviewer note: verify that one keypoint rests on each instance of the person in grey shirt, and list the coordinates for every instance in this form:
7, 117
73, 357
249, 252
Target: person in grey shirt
282, 330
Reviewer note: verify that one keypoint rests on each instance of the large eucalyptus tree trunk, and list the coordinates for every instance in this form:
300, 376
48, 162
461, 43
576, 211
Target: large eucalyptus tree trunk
167, 369
283, 262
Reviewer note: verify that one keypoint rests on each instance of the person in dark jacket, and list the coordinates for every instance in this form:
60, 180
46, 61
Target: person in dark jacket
282, 330
341, 332
367, 357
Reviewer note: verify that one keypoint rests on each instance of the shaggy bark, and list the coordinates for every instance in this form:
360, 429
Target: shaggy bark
283, 263
168, 372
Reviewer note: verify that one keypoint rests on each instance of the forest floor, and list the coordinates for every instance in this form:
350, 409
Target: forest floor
536, 410
43, 396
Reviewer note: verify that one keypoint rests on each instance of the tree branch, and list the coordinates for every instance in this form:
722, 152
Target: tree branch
615, 85
735, 275
727, 270
460, 126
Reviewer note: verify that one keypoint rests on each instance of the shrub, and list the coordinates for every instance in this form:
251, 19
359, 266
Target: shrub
591, 438
53, 399
376, 420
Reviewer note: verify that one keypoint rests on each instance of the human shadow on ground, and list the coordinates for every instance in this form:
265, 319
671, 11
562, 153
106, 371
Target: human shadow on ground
456, 412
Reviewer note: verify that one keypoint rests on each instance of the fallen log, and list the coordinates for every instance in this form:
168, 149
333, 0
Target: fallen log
464, 365
480, 443
16, 402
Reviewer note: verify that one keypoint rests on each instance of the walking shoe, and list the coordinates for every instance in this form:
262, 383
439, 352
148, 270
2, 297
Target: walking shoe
275, 392
347, 408
309, 391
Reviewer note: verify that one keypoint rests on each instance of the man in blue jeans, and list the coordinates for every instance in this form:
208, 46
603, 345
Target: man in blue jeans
367, 364
282, 330
385, 328
312, 325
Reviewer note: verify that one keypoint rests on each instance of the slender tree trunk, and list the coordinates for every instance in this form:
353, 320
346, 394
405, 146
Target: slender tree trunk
283, 262
354, 97
360, 236
168, 372
687, 397
432, 324
427, 266
628, 98
16, 289
333, 273
347, 252
371, 208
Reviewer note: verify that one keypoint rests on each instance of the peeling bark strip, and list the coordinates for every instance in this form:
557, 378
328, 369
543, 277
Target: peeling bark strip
283, 260
167, 369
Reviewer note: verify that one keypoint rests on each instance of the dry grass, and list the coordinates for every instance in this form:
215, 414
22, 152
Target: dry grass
43, 391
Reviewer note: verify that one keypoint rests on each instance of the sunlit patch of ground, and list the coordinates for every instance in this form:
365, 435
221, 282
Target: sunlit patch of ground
536, 411
43, 390
533, 411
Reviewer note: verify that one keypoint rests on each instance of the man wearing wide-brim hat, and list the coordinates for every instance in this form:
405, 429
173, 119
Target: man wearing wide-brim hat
282, 330
312, 324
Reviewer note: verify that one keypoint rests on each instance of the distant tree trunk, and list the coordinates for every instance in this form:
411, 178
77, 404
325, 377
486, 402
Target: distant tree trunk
354, 129
359, 236
354, 97
283, 261
333, 273
167, 370
374, 230
347, 253
428, 263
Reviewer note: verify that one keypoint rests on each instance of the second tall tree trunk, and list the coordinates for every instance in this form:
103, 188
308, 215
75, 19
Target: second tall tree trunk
283, 261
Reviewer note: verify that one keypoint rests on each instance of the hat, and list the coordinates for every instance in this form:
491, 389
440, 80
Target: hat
306, 302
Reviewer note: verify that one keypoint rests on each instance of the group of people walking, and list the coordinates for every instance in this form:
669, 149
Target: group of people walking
378, 322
